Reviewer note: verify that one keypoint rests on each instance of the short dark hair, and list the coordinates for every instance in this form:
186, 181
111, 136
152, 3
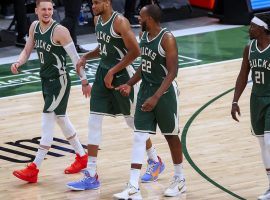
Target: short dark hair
266, 18
154, 11
39, 1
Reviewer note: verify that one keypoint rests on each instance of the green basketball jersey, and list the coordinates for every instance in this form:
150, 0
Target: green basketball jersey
52, 56
111, 45
260, 67
153, 58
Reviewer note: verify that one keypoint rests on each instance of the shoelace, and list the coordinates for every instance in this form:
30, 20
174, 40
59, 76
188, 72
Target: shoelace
174, 182
150, 168
84, 179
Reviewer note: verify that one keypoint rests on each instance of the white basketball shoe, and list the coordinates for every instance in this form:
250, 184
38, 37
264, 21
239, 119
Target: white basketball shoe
177, 186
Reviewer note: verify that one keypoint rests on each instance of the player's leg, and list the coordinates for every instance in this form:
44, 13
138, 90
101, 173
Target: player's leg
168, 122
144, 123
132, 191
90, 180
71, 135
261, 128
30, 173
99, 106
153, 161
62, 119
266, 161
127, 106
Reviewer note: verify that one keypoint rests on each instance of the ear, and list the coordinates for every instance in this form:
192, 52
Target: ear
36, 10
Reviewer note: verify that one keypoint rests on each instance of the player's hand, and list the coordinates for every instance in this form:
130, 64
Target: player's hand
81, 63
86, 88
108, 80
124, 89
149, 104
235, 109
15, 68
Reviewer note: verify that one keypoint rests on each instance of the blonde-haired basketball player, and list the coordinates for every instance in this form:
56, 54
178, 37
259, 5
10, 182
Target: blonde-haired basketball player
52, 42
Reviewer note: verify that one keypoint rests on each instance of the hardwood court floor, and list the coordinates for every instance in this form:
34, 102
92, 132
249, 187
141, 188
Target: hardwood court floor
223, 149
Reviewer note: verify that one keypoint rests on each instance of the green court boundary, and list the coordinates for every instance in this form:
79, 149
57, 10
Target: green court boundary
185, 151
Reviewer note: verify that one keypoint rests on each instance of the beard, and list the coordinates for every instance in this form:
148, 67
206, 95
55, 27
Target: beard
46, 22
144, 27
98, 13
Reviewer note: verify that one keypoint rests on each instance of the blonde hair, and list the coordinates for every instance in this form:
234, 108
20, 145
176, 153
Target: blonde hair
39, 1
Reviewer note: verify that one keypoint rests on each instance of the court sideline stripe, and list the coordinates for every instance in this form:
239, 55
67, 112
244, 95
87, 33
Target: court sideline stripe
185, 151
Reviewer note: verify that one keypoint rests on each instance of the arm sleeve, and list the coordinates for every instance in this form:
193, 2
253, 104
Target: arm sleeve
71, 51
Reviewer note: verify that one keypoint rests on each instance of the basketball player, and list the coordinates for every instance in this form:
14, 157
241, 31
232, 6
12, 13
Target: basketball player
256, 58
117, 48
157, 102
52, 42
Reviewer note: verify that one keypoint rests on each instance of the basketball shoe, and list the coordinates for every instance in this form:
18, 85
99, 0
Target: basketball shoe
29, 174
129, 193
153, 170
87, 183
177, 186
79, 164
265, 196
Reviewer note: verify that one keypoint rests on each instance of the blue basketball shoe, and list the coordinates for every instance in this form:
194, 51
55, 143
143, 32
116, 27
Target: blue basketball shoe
153, 170
87, 183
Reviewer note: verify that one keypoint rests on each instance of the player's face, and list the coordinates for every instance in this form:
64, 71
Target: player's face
255, 31
44, 12
98, 6
143, 18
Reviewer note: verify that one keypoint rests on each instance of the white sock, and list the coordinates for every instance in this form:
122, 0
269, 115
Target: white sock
77, 146
134, 177
92, 165
41, 153
265, 156
178, 170
152, 154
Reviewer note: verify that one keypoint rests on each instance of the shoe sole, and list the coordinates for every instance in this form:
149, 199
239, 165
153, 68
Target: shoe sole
130, 198
78, 189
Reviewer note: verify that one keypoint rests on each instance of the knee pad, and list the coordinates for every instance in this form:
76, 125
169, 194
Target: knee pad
94, 129
267, 141
130, 121
47, 127
140, 138
66, 126
138, 148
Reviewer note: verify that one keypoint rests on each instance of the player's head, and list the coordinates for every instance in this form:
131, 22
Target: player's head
99, 7
44, 10
149, 14
259, 25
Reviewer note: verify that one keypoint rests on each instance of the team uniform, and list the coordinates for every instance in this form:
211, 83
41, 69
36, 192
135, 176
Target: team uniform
106, 101
54, 78
165, 114
55, 89
260, 95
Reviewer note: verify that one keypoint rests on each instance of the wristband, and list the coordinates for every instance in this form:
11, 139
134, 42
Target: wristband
235, 102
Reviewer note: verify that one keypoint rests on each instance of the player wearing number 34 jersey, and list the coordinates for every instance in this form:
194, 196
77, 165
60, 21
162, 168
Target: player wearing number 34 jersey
117, 48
